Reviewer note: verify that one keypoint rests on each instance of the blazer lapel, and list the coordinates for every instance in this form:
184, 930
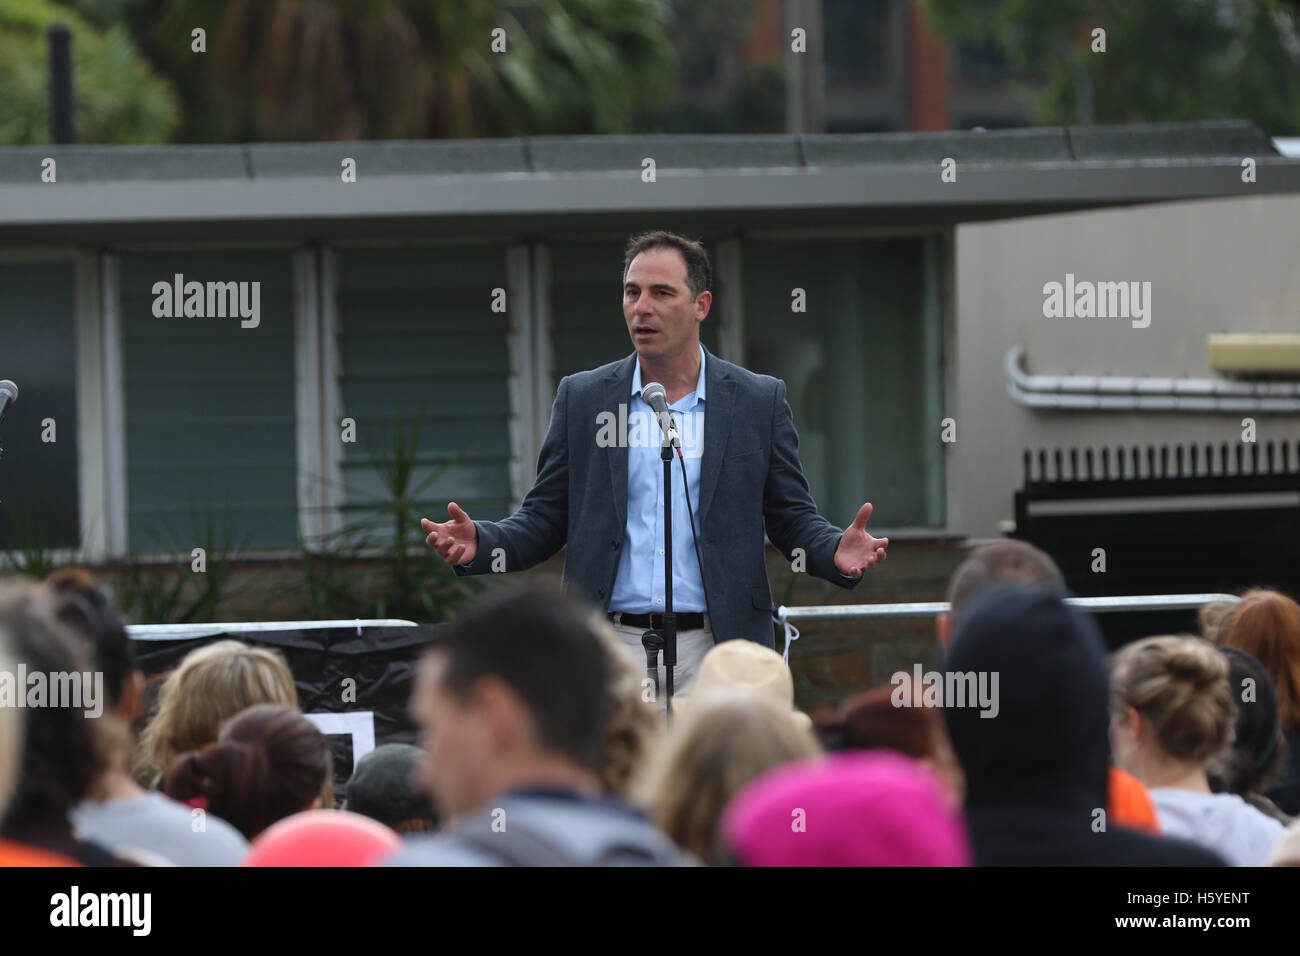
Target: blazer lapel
719, 404
618, 391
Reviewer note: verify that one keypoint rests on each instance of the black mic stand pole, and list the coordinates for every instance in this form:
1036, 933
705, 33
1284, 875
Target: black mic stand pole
670, 617
665, 637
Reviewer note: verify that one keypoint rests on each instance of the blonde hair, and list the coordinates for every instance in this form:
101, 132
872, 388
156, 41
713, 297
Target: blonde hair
1180, 686
716, 748
211, 685
11, 735
633, 723
1210, 618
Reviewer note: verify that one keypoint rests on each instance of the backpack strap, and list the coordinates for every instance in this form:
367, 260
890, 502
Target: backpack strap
515, 846
521, 846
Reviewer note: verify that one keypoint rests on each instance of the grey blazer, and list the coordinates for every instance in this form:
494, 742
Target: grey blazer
750, 479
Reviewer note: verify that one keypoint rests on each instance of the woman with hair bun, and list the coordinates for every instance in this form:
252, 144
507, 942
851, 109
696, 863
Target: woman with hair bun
212, 684
268, 763
1172, 712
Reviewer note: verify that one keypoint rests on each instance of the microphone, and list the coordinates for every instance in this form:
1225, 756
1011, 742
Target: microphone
656, 396
8, 394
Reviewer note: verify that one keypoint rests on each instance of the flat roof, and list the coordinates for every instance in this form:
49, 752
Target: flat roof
552, 184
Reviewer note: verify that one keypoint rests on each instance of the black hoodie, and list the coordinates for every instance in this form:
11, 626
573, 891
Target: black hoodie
1036, 773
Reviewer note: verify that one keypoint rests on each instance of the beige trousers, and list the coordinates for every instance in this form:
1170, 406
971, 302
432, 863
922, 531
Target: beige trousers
691, 648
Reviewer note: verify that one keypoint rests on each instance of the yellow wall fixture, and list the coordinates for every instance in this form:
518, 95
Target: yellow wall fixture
1255, 353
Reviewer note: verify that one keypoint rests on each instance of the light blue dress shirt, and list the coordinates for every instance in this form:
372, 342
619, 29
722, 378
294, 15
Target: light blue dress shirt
639, 584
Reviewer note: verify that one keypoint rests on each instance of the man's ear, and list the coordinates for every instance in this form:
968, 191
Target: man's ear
702, 303
128, 707
943, 627
508, 720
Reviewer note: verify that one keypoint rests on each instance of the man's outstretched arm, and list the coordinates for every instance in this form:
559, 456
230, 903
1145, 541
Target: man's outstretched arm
530, 535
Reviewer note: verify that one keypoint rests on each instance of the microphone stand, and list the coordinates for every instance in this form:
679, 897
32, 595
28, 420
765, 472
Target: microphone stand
665, 638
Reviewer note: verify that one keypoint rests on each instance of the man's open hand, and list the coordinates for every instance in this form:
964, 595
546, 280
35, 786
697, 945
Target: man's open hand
455, 540
859, 552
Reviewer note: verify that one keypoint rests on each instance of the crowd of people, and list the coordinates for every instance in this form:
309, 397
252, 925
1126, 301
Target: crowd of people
542, 744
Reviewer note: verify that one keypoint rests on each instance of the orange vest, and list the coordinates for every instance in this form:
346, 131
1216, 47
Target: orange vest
19, 854
1129, 804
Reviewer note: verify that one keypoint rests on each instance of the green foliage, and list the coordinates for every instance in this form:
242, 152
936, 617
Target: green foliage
707, 42
377, 565
33, 557
118, 97
382, 69
1165, 60
171, 592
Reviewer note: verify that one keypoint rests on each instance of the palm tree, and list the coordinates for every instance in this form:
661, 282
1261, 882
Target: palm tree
376, 69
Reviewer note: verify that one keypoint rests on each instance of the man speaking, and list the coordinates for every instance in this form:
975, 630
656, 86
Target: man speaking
599, 487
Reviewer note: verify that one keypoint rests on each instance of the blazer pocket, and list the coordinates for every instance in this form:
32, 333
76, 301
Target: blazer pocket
744, 454
762, 598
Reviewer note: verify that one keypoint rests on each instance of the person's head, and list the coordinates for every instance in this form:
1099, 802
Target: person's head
1170, 705
875, 808
62, 747
385, 786
713, 751
871, 721
1249, 764
666, 288
513, 692
990, 564
211, 685
745, 667
1043, 664
1210, 618
634, 725
269, 762
82, 605
1266, 625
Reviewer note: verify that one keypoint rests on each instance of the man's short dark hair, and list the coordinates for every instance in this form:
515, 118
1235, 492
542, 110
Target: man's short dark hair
545, 647
699, 274
1001, 561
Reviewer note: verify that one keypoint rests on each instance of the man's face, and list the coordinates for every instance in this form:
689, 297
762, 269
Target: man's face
662, 316
456, 742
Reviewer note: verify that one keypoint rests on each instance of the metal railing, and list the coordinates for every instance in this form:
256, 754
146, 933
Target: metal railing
1098, 605
786, 616
182, 632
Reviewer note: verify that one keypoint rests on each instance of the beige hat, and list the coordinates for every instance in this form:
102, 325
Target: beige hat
744, 667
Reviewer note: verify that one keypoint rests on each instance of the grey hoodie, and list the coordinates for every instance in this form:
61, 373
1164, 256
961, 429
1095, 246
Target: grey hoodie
1221, 821
547, 828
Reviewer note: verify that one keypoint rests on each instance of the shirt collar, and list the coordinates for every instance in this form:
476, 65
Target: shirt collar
699, 384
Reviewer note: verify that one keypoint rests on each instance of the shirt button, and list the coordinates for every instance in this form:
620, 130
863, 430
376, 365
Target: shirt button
659, 600
661, 550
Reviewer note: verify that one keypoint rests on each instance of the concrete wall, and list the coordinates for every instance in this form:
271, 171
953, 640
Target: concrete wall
1217, 265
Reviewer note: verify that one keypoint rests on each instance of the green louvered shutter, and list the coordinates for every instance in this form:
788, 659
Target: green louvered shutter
210, 425
419, 344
